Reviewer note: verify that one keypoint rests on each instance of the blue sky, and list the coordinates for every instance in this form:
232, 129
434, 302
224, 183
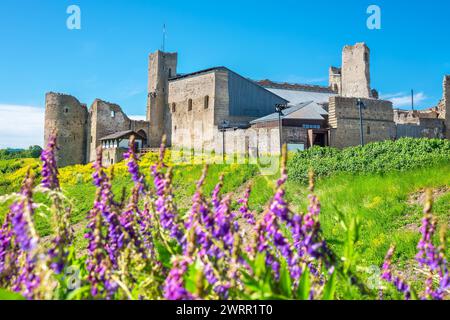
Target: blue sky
294, 41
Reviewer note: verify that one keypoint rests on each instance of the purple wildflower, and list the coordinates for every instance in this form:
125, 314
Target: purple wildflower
244, 209
174, 285
397, 281
49, 167
133, 167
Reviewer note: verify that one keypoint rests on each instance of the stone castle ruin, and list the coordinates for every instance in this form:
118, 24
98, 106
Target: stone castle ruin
219, 110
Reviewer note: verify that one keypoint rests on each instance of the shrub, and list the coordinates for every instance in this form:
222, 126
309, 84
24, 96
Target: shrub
378, 157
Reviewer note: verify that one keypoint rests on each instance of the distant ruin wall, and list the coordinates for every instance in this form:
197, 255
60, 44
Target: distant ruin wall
108, 118
344, 120
335, 79
69, 118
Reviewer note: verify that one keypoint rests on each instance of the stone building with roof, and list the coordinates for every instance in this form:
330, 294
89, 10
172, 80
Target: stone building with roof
218, 110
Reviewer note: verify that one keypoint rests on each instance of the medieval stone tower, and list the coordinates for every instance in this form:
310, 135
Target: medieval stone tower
446, 103
69, 118
162, 66
356, 71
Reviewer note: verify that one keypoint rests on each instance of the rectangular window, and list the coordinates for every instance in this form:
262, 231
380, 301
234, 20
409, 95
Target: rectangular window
311, 126
190, 105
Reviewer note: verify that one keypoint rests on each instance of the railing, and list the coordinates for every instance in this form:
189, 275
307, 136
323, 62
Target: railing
147, 150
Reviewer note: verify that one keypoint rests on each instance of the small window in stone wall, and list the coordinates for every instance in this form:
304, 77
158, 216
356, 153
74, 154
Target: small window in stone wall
206, 103
174, 107
113, 114
190, 105
66, 110
368, 129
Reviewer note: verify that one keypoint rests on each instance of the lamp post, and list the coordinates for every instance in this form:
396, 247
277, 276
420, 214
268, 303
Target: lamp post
361, 105
223, 128
279, 109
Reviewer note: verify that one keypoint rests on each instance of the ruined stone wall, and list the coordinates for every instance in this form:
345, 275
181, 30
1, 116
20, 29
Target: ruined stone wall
356, 71
378, 121
335, 79
192, 104
108, 118
446, 102
162, 66
69, 118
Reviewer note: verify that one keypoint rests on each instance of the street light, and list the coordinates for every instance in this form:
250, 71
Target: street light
361, 105
224, 125
279, 109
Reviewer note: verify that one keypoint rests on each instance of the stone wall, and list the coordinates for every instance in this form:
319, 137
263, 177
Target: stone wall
111, 156
446, 102
108, 118
335, 79
356, 71
192, 103
253, 141
69, 118
378, 121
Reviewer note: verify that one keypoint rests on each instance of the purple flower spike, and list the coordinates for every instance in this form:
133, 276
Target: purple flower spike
244, 209
133, 167
49, 168
387, 275
174, 285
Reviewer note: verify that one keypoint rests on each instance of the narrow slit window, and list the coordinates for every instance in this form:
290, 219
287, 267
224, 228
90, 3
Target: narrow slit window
190, 105
206, 103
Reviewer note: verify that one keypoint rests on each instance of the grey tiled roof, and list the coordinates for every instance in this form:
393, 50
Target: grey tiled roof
297, 96
122, 134
306, 110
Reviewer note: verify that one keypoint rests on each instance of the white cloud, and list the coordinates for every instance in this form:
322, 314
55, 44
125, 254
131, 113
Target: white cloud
21, 126
402, 99
137, 117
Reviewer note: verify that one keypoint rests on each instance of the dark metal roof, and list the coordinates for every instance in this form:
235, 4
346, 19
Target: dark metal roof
192, 74
294, 86
221, 68
122, 134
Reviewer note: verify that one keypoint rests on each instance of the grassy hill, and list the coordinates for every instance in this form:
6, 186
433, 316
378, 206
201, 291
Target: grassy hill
382, 185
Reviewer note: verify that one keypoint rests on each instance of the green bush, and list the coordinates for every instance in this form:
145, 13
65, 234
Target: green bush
378, 157
31, 152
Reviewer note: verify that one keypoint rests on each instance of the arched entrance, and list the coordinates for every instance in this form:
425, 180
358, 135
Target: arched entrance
144, 138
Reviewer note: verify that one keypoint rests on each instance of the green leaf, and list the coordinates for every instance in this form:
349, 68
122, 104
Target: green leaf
330, 288
8, 295
260, 265
285, 280
191, 276
414, 294
304, 286
79, 294
164, 254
